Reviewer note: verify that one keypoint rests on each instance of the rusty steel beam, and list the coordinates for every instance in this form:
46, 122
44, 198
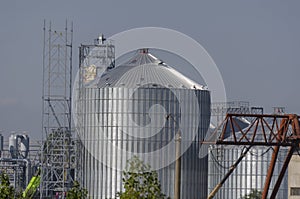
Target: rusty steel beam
272, 135
270, 173
282, 172
269, 135
258, 116
249, 143
232, 168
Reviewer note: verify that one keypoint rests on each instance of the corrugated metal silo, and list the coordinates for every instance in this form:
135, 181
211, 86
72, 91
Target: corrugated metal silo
123, 113
249, 175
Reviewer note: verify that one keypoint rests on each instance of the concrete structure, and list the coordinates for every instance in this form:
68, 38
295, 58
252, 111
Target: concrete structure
294, 177
123, 113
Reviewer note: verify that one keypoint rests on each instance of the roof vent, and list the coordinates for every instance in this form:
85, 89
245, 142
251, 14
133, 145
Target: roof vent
100, 40
144, 51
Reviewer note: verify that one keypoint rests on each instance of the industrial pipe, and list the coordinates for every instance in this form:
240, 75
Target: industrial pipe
177, 165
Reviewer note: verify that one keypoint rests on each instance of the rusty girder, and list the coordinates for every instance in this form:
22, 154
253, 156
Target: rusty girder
263, 130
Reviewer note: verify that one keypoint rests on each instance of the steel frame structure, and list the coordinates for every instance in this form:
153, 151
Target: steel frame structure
16, 172
220, 109
56, 158
284, 131
98, 56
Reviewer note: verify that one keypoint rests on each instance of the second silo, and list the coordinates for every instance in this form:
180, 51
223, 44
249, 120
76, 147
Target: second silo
123, 113
250, 174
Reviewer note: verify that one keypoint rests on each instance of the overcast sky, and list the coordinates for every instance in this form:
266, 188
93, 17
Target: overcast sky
255, 44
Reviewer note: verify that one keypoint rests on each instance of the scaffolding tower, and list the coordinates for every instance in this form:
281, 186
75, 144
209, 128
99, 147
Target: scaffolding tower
57, 161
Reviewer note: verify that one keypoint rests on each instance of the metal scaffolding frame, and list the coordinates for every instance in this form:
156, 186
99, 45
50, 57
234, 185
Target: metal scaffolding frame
56, 151
16, 171
95, 58
220, 109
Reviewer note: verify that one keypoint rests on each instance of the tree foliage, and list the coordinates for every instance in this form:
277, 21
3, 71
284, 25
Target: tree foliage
77, 192
140, 182
6, 190
254, 194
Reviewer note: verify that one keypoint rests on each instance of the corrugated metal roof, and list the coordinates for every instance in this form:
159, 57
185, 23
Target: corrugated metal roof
148, 71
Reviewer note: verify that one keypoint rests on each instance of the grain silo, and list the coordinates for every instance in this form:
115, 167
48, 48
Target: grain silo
249, 175
122, 113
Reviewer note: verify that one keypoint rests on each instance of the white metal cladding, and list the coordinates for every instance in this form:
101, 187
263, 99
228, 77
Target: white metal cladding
141, 69
249, 174
107, 113
154, 73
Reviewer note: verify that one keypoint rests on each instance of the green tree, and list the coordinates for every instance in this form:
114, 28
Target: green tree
254, 194
6, 190
77, 192
140, 182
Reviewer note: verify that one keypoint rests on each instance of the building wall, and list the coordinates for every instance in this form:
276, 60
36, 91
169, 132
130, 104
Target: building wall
294, 177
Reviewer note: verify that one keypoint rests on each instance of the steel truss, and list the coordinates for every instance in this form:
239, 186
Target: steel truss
56, 153
264, 130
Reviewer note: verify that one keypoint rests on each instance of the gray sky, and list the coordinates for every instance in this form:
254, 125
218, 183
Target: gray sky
255, 44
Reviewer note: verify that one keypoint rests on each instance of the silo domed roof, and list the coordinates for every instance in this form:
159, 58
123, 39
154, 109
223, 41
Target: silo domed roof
145, 69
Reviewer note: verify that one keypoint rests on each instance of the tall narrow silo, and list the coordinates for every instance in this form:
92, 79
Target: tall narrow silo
123, 113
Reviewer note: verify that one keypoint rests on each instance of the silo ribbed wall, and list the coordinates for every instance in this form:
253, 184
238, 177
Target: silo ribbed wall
250, 173
110, 118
